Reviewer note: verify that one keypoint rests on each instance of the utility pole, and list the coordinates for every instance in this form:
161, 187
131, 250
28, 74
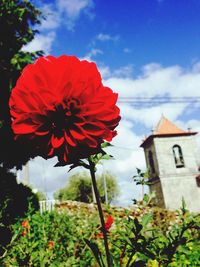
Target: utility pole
44, 179
105, 186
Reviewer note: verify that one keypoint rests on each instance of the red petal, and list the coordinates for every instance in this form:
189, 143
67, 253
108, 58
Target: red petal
24, 126
51, 152
57, 141
42, 133
94, 129
91, 142
70, 140
77, 134
109, 222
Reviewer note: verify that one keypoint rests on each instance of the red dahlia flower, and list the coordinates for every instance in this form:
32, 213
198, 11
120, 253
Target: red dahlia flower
61, 105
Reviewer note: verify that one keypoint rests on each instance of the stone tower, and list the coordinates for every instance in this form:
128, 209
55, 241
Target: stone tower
173, 161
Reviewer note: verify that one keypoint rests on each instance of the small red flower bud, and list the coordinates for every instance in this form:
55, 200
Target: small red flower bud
25, 224
51, 245
24, 233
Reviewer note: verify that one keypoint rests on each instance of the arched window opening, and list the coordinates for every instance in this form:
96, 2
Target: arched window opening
178, 156
151, 162
198, 180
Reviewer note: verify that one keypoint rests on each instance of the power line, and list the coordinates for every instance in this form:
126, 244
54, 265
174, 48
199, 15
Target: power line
151, 103
159, 100
160, 97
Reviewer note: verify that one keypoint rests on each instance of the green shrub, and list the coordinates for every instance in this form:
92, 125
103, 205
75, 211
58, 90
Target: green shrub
15, 200
50, 239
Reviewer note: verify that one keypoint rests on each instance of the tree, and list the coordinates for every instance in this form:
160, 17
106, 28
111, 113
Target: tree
109, 181
41, 195
79, 188
142, 178
17, 19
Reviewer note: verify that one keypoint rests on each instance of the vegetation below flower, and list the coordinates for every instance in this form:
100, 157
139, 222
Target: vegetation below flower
142, 236
15, 200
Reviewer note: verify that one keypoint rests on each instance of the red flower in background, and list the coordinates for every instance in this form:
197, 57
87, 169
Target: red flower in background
25, 224
62, 105
108, 225
24, 232
109, 222
51, 245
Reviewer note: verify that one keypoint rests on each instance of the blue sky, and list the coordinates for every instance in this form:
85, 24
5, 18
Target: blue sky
143, 48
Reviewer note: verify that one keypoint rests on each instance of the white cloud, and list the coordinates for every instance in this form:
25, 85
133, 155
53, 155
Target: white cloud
107, 37
72, 10
124, 72
156, 80
52, 18
149, 116
63, 12
41, 42
105, 71
94, 52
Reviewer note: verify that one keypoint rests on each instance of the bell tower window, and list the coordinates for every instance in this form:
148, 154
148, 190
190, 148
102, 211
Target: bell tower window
178, 156
198, 180
151, 162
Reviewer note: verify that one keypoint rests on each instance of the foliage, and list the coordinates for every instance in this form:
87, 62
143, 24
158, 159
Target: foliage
41, 195
111, 185
137, 243
51, 239
142, 178
79, 188
66, 239
14, 203
17, 19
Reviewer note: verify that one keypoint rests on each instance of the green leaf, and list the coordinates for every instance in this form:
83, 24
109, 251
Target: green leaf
97, 253
107, 157
105, 144
146, 219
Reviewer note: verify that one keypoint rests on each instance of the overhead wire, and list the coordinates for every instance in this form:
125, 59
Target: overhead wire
159, 100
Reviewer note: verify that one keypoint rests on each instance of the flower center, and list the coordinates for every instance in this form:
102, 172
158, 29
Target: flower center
64, 115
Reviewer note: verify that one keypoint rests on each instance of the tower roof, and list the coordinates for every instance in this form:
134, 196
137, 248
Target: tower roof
166, 128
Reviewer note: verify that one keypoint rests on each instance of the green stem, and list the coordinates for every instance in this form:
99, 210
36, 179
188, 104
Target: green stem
92, 172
